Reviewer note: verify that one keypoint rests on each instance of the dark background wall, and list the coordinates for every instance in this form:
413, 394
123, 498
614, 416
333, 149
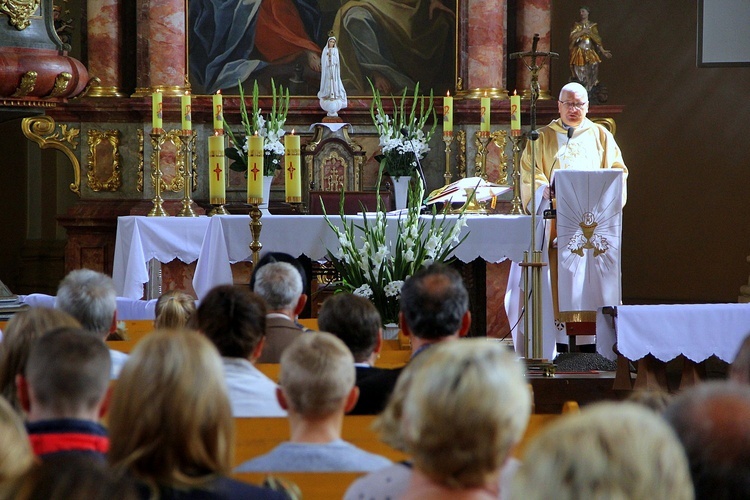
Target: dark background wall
683, 136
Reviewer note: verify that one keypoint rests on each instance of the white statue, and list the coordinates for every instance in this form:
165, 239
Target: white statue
332, 94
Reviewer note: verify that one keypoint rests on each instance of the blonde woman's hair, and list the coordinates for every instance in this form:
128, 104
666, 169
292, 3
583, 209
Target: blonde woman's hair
16, 456
466, 407
173, 310
23, 329
609, 450
317, 374
170, 422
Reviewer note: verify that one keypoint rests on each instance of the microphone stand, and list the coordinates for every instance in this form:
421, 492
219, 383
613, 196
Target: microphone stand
532, 268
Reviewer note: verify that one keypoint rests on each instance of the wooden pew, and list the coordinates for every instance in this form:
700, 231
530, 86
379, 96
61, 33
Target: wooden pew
538, 421
312, 485
256, 436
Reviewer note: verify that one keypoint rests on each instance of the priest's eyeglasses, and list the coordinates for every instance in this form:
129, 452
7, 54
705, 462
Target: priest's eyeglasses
577, 105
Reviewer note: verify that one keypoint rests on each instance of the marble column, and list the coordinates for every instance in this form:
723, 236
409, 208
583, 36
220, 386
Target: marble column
162, 46
486, 47
534, 17
104, 36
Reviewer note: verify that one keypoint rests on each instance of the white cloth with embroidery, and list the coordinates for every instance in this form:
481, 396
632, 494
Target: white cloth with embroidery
589, 233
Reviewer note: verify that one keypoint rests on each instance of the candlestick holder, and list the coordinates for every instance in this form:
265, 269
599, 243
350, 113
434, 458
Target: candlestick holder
187, 145
157, 140
448, 140
516, 206
217, 210
482, 141
255, 227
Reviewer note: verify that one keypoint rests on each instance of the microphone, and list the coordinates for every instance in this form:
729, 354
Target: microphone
552, 213
405, 133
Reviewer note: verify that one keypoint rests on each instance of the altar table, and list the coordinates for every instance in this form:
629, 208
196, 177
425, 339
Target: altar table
219, 241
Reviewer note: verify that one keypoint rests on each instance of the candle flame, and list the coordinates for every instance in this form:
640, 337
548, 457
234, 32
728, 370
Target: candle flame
292, 131
218, 92
514, 92
448, 93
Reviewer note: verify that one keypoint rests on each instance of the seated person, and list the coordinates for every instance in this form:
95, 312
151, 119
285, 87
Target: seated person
460, 439
356, 321
171, 423
280, 285
609, 450
317, 389
16, 456
23, 329
173, 310
234, 320
64, 392
90, 297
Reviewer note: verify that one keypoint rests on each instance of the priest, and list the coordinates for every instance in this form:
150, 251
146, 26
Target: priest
569, 142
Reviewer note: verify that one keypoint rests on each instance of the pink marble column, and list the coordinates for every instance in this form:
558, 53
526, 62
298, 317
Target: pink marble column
533, 16
104, 42
487, 44
162, 42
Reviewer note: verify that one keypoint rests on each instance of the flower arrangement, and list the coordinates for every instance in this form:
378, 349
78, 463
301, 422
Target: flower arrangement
373, 267
402, 136
271, 128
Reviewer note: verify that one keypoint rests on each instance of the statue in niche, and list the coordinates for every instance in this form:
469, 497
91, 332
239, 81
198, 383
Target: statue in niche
586, 51
332, 95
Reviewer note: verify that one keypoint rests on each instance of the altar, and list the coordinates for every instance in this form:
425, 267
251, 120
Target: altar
215, 243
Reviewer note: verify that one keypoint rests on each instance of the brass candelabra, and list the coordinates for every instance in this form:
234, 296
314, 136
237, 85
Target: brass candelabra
255, 228
157, 140
187, 145
448, 140
516, 205
483, 140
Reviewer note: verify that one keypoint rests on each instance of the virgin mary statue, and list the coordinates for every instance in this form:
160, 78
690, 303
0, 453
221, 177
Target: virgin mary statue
332, 95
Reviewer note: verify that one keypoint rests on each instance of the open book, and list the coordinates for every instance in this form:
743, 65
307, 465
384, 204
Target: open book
456, 191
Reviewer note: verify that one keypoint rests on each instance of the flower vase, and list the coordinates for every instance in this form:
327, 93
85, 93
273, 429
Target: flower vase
401, 190
267, 180
390, 331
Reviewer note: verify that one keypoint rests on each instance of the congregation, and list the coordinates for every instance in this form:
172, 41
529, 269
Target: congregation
79, 419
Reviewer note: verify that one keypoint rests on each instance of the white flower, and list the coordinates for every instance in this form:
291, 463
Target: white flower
456, 230
379, 256
432, 245
363, 291
409, 255
393, 289
344, 241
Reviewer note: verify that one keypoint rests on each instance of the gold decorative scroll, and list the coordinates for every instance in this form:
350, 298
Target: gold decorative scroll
61, 84
139, 185
461, 156
41, 129
104, 160
28, 82
500, 139
19, 12
608, 123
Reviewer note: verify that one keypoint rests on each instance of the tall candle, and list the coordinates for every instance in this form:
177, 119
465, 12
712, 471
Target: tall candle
447, 114
292, 171
186, 112
218, 111
217, 187
484, 121
255, 169
515, 112
156, 111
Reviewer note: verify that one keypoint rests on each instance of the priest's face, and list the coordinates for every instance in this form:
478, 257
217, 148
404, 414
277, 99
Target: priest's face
573, 106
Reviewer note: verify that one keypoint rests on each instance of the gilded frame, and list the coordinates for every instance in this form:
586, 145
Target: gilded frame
103, 157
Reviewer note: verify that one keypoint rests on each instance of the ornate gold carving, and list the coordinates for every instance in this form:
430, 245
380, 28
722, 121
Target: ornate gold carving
172, 162
19, 12
608, 123
92, 82
61, 84
500, 139
41, 129
28, 82
104, 156
461, 156
139, 185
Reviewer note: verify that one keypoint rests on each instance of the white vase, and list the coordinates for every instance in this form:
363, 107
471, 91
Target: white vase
267, 180
401, 190
390, 331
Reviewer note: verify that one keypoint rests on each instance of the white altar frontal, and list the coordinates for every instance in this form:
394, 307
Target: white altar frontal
219, 241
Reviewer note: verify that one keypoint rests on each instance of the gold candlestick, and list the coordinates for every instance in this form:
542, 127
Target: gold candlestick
483, 140
255, 227
217, 210
516, 206
188, 147
447, 139
157, 139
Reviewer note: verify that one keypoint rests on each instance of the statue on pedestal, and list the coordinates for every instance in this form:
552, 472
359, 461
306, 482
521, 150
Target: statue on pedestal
585, 50
332, 95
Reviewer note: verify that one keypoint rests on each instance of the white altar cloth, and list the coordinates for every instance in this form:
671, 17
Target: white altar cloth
217, 242
696, 331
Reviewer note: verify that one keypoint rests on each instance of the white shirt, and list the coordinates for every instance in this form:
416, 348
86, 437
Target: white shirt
251, 393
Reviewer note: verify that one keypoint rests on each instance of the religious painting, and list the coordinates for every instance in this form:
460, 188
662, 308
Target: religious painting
393, 43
